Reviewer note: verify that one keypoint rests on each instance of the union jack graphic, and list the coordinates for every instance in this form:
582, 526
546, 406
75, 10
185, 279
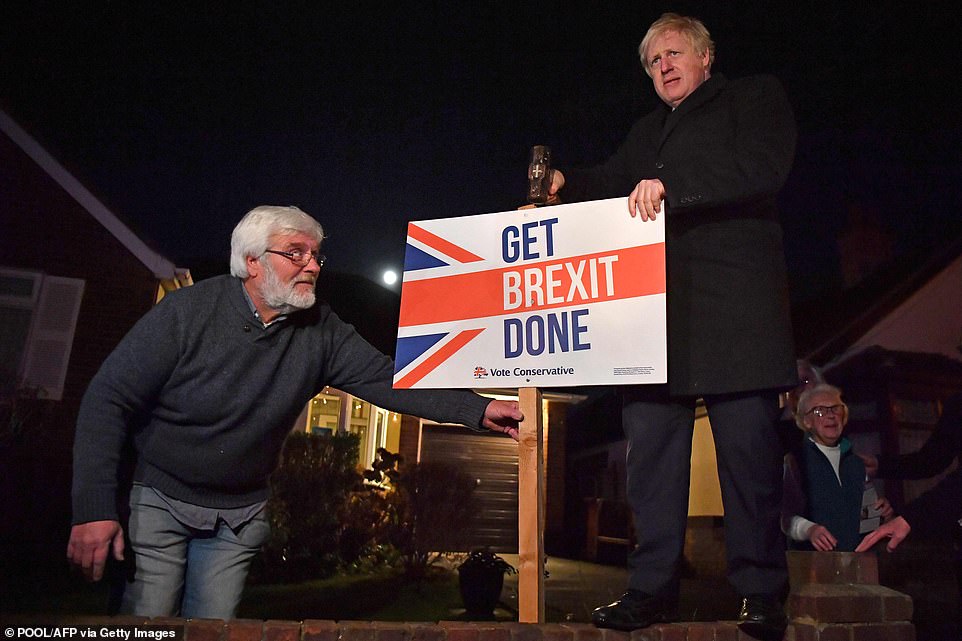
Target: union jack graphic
426, 250
480, 372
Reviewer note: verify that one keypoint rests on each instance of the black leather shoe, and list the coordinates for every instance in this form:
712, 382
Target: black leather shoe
633, 610
762, 617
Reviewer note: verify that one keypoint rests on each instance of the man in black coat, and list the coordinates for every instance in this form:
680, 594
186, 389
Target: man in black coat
716, 154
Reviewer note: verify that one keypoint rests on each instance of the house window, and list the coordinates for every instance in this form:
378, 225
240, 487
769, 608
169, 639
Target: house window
38, 315
323, 413
359, 423
369, 422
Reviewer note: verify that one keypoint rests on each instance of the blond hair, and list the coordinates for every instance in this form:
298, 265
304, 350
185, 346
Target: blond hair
691, 28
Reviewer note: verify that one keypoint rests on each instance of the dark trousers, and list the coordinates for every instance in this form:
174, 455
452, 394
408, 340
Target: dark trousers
659, 430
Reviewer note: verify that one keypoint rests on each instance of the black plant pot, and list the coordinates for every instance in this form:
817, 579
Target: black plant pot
480, 590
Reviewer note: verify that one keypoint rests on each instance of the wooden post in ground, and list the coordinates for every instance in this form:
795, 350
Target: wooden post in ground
531, 508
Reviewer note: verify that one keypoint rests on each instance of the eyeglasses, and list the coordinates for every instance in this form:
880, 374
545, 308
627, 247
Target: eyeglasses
299, 257
824, 410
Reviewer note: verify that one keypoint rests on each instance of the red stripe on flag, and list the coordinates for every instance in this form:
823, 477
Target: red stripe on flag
436, 242
437, 358
638, 271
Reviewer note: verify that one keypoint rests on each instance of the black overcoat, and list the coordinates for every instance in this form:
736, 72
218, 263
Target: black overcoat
722, 156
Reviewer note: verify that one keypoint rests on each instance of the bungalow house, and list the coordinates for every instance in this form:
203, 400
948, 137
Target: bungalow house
73, 279
62, 247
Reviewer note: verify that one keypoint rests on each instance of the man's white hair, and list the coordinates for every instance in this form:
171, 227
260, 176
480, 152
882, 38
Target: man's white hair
252, 234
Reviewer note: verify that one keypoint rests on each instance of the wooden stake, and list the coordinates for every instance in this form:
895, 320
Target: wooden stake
531, 508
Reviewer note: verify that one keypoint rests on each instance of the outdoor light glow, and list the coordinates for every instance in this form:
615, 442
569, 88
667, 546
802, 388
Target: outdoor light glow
390, 277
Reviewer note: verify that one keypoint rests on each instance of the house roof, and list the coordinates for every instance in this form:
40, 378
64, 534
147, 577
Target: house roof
910, 305
863, 366
157, 264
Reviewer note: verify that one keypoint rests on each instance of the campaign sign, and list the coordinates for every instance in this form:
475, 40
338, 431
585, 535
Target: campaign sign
544, 297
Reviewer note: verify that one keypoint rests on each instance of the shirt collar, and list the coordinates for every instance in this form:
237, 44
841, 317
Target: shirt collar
253, 308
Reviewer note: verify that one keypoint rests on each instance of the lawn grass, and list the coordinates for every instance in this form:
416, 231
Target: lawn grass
40, 583
32, 584
354, 597
36, 586
381, 595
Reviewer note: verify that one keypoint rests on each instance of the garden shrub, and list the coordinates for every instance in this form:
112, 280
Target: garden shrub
428, 509
326, 516
311, 493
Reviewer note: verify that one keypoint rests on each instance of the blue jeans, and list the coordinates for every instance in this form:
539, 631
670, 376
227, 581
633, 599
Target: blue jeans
183, 571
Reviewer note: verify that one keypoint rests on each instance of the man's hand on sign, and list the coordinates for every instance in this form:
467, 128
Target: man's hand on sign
645, 199
503, 416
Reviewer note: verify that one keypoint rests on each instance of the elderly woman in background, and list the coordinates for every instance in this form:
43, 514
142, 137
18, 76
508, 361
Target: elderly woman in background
824, 480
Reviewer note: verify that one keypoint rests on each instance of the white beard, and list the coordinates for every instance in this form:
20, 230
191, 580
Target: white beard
283, 297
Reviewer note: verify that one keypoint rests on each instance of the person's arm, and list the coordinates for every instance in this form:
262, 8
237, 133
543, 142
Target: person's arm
355, 366
124, 387
794, 525
123, 391
618, 175
798, 528
644, 200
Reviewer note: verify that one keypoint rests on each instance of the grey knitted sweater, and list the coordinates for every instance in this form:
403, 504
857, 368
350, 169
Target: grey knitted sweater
207, 395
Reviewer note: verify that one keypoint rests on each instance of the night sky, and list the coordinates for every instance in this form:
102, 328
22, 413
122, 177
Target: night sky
368, 115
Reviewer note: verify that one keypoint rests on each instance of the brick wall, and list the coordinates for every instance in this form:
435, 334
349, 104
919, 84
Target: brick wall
313, 630
835, 597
